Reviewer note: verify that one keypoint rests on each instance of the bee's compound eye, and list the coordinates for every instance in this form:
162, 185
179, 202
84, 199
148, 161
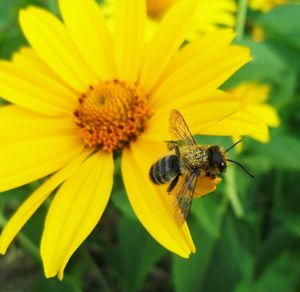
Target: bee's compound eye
222, 166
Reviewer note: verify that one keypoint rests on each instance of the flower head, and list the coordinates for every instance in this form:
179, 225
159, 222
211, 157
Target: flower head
209, 14
80, 92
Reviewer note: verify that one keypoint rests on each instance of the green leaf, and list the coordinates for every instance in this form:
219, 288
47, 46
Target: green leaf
277, 242
291, 117
266, 65
281, 26
119, 197
283, 150
260, 163
120, 200
189, 275
216, 266
54, 285
209, 211
135, 254
282, 275
286, 207
222, 141
11, 37
283, 91
282, 23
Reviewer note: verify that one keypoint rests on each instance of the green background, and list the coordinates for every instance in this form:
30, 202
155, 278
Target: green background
247, 245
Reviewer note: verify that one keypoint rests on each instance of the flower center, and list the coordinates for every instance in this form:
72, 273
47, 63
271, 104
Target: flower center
111, 114
156, 8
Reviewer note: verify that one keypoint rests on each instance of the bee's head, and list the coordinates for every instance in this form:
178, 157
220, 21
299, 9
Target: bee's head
216, 158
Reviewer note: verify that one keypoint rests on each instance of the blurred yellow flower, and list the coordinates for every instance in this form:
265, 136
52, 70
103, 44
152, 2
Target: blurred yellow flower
265, 5
253, 97
79, 93
214, 14
209, 14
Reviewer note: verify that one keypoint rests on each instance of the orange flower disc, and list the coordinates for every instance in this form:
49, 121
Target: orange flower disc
111, 115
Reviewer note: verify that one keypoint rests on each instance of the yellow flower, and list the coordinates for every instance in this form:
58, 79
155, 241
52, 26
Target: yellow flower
253, 97
79, 93
265, 5
209, 14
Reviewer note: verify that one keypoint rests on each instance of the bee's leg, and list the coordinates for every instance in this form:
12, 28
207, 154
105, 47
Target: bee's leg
171, 144
211, 175
177, 151
173, 184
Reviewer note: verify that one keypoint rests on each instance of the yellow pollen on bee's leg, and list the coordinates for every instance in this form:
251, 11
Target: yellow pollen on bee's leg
111, 114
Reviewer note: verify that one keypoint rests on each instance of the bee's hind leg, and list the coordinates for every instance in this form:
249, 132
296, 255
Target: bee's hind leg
173, 184
177, 151
173, 145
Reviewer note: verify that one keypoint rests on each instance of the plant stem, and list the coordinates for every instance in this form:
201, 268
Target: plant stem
232, 193
241, 19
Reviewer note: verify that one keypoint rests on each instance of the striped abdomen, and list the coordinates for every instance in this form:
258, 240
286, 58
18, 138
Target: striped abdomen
164, 169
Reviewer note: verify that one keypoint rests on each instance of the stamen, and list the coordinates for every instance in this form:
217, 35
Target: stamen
111, 115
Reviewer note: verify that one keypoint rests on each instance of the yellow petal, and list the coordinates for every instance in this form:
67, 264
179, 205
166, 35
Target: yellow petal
261, 138
266, 113
152, 205
168, 37
34, 90
87, 27
211, 13
29, 160
18, 124
50, 39
251, 92
28, 208
240, 123
200, 110
209, 69
75, 211
26, 57
202, 46
130, 20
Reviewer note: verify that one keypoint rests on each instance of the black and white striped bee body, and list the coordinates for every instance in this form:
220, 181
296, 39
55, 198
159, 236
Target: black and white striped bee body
165, 169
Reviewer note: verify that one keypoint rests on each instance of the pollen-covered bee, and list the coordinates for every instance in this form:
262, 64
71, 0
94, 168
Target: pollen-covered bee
190, 166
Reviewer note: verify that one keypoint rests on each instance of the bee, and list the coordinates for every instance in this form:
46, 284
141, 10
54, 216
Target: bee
190, 162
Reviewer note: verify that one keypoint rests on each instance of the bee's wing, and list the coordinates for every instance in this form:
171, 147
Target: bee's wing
179, 129
183, 196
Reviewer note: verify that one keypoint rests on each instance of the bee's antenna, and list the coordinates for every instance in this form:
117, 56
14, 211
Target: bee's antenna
241, 166
233, 145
